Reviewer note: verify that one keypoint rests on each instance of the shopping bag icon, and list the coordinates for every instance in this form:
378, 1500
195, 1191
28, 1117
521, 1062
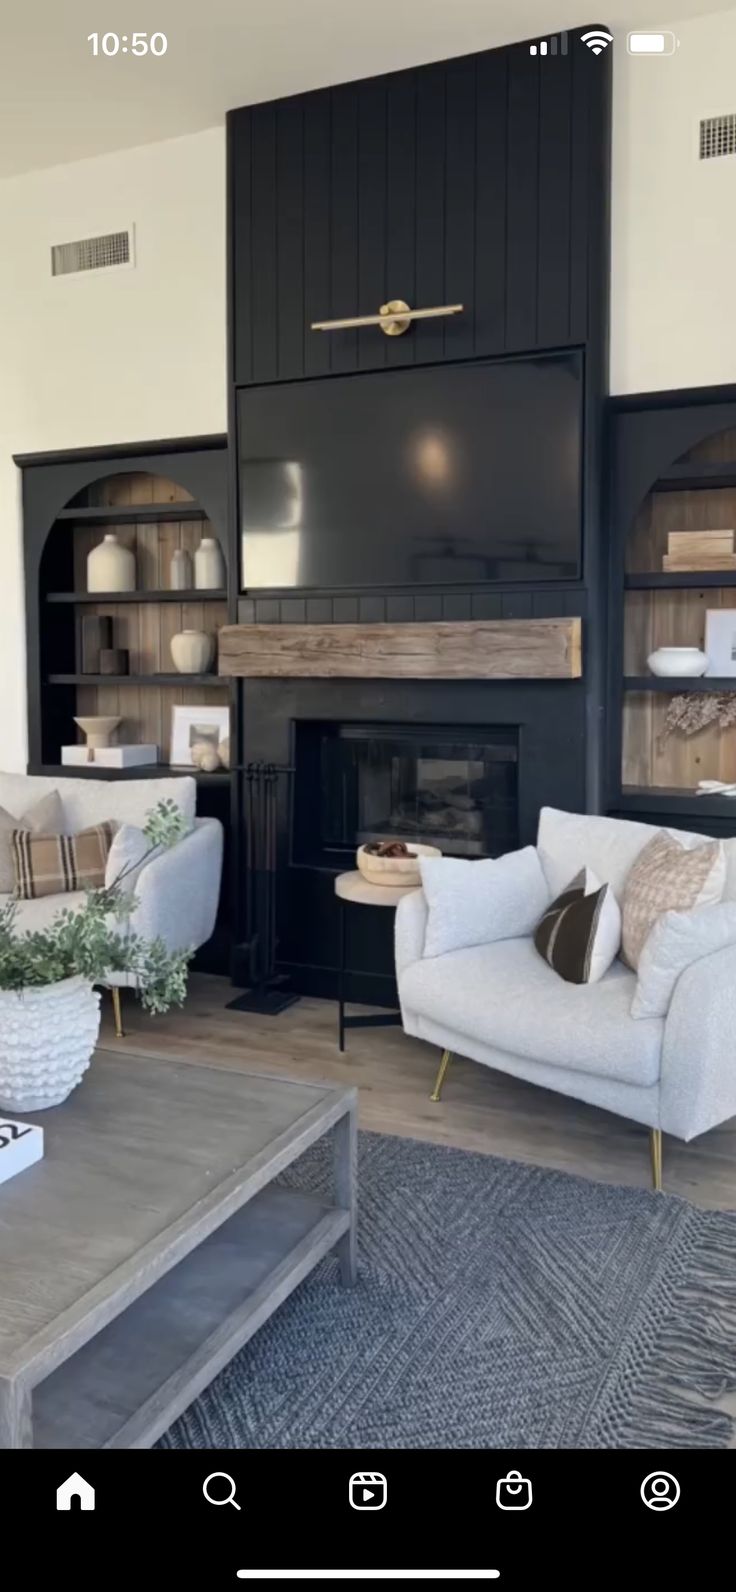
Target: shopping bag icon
513, 1491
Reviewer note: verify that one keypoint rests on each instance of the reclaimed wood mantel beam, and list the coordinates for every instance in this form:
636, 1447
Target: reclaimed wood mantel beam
493, 649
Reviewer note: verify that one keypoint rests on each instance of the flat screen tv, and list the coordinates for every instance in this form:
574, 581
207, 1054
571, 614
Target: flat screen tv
444, 475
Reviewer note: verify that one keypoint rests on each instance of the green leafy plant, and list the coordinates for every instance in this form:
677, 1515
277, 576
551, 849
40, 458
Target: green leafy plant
98, 939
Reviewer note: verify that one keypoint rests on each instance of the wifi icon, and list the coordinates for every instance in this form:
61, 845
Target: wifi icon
597, 40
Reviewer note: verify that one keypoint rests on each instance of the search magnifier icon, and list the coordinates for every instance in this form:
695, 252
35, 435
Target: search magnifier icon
220, 1475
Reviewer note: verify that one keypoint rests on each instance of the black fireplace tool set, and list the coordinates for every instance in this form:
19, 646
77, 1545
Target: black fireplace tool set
268, 993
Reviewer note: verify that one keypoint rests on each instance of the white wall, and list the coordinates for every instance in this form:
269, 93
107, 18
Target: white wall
115, 357
673, 216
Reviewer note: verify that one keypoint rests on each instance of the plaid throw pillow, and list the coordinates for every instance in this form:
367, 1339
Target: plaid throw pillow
57, 864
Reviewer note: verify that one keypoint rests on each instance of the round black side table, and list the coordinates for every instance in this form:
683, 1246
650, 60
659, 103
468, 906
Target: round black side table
352, 889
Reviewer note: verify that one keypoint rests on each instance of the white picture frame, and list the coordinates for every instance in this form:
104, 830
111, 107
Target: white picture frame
720, 642
193, 725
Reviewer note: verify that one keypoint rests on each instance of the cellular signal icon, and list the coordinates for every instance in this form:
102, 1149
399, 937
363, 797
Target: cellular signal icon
557, 45
597, 40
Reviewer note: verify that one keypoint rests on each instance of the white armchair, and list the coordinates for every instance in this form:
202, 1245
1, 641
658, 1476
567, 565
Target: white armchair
500, 1004
177, 891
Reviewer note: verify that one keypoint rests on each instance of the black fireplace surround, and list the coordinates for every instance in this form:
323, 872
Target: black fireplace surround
454, 789
464, 765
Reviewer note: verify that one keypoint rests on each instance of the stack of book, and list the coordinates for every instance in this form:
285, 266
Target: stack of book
700, 550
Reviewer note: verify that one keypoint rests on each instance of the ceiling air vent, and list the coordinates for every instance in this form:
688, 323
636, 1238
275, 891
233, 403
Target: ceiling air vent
108, 252
717, 136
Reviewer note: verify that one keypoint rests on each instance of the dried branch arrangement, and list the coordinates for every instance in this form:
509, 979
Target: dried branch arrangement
689, 713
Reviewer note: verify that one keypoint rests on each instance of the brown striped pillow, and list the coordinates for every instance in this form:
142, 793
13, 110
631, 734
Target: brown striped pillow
58, 864
580, 933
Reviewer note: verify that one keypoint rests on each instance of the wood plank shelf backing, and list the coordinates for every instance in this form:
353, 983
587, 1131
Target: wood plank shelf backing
503, 649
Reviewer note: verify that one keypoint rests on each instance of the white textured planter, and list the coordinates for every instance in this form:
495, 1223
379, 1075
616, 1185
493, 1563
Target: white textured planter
47, 1037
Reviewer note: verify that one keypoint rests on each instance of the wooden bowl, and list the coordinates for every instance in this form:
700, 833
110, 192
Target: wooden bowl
397, 872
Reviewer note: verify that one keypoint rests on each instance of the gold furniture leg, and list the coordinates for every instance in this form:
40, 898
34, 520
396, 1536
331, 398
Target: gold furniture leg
117, 1012
655, 1150
444, 1064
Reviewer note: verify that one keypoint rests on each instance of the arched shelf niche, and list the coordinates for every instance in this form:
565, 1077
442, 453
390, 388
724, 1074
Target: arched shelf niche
152, 515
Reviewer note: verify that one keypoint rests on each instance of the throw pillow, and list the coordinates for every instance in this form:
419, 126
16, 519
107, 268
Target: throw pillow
58, 864
668, 877
676, 940
129, 850
46, 817
474, 903
580, 934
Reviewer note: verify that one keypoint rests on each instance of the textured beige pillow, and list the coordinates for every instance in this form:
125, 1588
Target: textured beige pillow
45, 817
668, 877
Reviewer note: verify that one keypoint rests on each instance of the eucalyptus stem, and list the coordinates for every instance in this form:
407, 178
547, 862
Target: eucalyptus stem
98, 939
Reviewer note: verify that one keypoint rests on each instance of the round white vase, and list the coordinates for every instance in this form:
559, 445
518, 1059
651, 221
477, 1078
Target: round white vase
110, 566
47, 1036
686, 661
209, 565
192, 651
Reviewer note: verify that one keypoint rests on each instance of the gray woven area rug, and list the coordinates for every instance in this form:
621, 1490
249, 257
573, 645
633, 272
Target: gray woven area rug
498, 1305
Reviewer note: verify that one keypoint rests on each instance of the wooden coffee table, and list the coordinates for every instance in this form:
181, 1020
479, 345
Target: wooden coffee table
152, 1242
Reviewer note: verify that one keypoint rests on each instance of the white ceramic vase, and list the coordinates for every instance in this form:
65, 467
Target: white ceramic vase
192, 651
686, 661
110, 566
180, 570
209, 565
47, 1036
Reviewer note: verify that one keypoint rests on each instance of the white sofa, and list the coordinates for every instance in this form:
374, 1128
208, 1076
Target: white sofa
178, 890
500, 1004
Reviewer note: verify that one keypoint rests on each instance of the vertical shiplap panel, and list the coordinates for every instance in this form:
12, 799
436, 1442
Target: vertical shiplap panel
372, 288
490, 203
429, 336
264, 245
579, 194
522, 242
317, 296
460, 206
242, 285
290, 238
401, 205
553, 288
344, 225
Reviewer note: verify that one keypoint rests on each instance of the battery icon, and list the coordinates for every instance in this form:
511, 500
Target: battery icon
652, 43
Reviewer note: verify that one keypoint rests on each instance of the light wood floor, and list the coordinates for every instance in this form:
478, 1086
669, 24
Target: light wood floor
480, 1109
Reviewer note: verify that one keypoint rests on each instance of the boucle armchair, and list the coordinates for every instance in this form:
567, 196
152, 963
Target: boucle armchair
176, 891
502, 1005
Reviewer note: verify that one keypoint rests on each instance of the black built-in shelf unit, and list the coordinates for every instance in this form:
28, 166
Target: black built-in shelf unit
671, 467
158, 495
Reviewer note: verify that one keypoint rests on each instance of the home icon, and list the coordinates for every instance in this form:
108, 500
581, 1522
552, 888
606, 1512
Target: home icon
75, 1493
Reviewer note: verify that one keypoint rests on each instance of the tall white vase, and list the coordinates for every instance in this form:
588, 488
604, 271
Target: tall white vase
181, 570
209, 565
110, 566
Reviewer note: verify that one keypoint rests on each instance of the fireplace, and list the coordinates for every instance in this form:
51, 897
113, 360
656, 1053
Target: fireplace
455, 788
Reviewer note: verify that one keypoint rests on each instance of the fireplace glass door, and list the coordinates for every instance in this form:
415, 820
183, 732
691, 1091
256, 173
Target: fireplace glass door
455, 789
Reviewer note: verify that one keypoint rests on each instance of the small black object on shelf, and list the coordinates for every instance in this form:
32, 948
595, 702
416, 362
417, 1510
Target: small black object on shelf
268, 994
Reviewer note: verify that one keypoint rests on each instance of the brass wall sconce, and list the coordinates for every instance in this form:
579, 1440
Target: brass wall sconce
394, 318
